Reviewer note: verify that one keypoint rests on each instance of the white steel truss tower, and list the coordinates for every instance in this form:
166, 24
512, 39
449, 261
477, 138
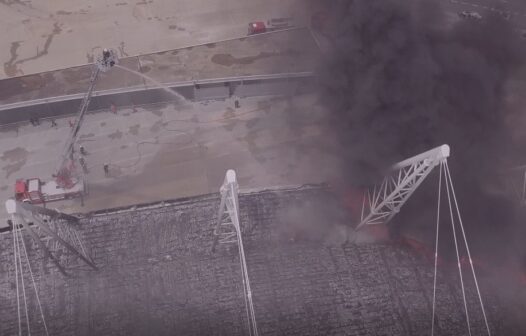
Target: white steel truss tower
384, 201
228, 230
52, 231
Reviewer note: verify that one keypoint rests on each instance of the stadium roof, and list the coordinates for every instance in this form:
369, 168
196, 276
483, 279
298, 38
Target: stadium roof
158, 276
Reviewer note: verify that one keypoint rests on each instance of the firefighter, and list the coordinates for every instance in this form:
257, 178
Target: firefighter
83, 165
105, 54
106, 169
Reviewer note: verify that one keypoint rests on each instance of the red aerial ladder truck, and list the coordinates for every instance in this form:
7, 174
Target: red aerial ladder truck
68, 182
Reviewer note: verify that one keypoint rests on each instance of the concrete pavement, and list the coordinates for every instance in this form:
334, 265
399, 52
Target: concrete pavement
164, 151
39, 36
273, 53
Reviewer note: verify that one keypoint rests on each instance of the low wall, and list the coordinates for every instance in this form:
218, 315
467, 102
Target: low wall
209, 89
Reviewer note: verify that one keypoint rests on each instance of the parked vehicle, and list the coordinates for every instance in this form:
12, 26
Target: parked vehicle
469, 15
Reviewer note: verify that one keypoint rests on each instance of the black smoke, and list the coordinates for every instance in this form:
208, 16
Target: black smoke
399, 80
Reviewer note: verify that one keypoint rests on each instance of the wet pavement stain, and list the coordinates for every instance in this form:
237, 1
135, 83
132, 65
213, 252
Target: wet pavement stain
134, 129
9, 128
4, 187
265, 106
121, 47
15, 154
11, 66
157, 126
17, 158
229, 60
13, 168
53, 142
84, 136
252, 122
157, 112
115, 135
102, 124
229, 113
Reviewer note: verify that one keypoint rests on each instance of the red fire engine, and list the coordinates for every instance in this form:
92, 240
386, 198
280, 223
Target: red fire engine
68, 182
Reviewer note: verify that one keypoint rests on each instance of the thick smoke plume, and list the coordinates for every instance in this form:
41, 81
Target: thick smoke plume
400, 81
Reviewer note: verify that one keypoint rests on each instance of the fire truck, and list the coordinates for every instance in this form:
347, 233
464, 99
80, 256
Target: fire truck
258, 27
68, 182
35, 191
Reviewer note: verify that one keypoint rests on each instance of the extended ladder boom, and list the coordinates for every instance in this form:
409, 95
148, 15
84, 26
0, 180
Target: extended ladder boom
103, 64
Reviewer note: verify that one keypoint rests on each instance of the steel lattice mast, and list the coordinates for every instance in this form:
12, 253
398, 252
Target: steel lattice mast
52, 230
383, 202
228, 230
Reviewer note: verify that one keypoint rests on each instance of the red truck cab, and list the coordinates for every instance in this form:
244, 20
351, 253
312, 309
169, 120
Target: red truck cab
257, 27
29, 191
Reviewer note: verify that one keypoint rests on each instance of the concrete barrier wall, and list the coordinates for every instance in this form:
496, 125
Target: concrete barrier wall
210, 90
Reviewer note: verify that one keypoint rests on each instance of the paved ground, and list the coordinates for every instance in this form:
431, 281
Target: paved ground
278, 52
165, 151
40, 36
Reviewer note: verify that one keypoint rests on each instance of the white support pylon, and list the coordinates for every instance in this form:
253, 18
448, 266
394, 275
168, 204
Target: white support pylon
515, 183
384, 202
53, 230
228, 230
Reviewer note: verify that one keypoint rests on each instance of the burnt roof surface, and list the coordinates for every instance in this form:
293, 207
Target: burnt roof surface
273, 53
158, 276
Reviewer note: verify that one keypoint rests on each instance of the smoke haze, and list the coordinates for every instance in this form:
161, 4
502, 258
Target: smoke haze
398, 82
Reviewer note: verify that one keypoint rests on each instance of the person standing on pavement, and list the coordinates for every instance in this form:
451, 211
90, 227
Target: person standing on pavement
83, 165
106, 170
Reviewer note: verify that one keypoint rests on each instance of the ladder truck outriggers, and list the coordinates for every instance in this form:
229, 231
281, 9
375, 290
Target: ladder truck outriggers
68, 181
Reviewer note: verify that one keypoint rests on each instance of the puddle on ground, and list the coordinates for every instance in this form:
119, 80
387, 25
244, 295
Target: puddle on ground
4, 188
102, 124
115, 135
